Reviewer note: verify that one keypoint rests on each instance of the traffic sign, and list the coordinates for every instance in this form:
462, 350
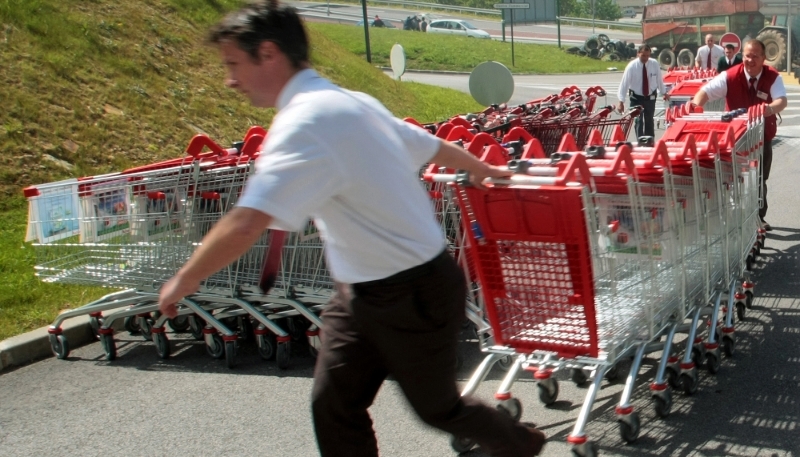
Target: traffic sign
512, 6
731, 38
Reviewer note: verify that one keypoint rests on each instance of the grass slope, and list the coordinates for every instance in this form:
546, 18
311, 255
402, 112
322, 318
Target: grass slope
103, 85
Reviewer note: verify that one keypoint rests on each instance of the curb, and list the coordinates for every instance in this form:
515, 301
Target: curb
35, 345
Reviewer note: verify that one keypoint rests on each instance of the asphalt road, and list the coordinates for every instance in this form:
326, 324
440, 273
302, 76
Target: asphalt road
537, 33
192, 405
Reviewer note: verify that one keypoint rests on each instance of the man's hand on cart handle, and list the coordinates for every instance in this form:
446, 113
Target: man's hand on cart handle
172, 292
621, 107
477, 178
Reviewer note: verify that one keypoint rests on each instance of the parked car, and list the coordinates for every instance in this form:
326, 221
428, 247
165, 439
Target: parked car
456, 27
629, 12
386, 23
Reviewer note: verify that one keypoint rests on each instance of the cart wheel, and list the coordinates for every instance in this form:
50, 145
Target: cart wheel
230, 353
146, 327
179, 324
749, 300
740, 311
245, 328
505, 363
511, 407
162, 345
689, 383
673, 377
587, 449
283, 355
109, 346
663, 404
60, 346
132, 325
728, 346
196, 325
95, 323
217, 347
612, 373
266, 346
461, 445
697, 357
548, 390
630, 431
713, 362
297, 327
578, 376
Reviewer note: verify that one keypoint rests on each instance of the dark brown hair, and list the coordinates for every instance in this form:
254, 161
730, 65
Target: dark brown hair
265, 21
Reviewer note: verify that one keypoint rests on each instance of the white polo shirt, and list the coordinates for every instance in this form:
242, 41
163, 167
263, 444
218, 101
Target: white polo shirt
342, 158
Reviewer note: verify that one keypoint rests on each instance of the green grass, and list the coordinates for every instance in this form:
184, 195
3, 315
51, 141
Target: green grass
104, 85
426, 51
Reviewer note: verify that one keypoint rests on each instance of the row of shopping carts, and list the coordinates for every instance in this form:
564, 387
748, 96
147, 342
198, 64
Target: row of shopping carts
608, 251
597, 249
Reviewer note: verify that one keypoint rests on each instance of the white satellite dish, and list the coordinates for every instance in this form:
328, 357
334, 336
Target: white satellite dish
491, 83
397, 58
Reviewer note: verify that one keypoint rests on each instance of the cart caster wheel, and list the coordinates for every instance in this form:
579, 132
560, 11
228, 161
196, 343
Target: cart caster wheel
612, 373
60, 346
132, 325
109, 346
629, 430
689, 384
283, 355
663, 403
697, 357
196, 325
673, 378
749, 300
266, 346
146, 327
578, 376
162, 345
728, 346
587, 449
230, 354
179, 324
505, 363
245, 329
740, 311
95, 323
217, 347
713, 363
461, 445
512, 407
548, 391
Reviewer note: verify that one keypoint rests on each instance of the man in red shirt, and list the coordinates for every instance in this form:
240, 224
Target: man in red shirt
747, 85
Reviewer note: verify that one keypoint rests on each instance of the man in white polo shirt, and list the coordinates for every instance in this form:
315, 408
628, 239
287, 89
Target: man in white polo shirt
343, 159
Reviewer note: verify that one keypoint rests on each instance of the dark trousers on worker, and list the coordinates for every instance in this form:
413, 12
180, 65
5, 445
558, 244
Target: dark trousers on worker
766, 164
406, 326
644, 123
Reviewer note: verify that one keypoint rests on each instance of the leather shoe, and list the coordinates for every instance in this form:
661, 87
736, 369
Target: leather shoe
765, 225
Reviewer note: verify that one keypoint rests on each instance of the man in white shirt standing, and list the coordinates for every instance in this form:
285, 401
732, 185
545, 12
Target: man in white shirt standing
641, 80
708, 55
342, 158
750, 84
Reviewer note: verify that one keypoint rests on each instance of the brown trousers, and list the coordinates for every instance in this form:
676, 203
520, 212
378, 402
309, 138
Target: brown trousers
405, 325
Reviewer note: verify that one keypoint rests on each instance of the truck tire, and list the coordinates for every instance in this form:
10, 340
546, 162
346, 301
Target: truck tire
686, 58
666, 58
774, 48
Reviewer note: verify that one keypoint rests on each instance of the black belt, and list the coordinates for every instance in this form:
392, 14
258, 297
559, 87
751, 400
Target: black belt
634, 94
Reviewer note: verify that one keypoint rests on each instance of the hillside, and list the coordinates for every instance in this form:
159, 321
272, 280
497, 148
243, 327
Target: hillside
93, 86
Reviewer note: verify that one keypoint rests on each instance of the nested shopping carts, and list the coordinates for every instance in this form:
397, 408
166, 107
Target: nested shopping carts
612, 250
134, 229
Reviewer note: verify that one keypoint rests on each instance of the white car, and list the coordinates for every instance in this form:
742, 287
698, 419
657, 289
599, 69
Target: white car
456, 27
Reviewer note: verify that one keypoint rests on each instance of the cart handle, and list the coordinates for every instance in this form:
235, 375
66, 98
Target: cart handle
517, 133
459, 132
480, 141
533, 150
201, 140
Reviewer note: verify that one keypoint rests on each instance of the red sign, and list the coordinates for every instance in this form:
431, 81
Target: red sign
731, 38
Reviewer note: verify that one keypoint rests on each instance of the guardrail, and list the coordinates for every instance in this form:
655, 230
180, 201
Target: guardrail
434, 6
601, 24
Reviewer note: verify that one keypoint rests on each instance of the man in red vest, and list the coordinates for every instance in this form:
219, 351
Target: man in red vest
745, 85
